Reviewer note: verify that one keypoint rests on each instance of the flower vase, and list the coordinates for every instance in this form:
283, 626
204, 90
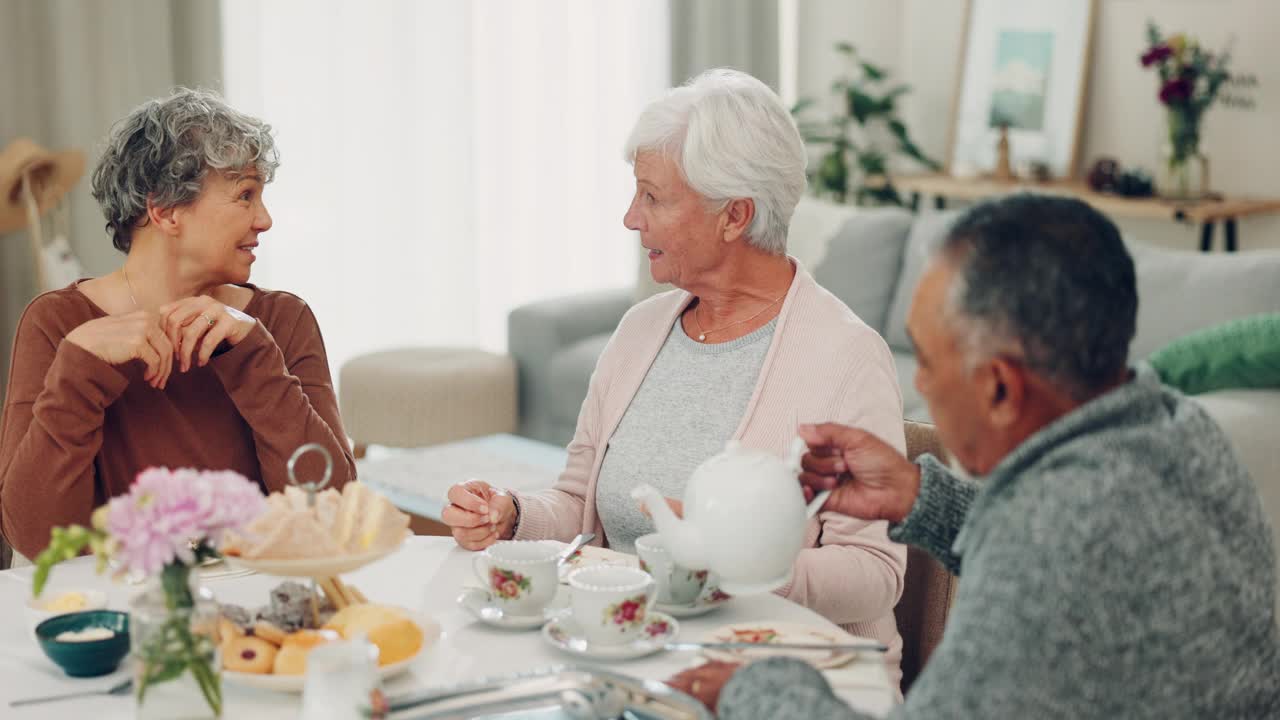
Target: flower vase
173, 623
1184, 172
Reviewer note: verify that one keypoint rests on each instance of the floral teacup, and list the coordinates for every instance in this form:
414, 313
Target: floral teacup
610, 602
519, 575
677, 584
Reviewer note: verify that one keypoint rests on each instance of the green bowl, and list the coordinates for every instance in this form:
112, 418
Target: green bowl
91, 658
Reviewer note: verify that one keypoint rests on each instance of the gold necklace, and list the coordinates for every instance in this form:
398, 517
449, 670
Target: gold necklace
702, 334
129, 285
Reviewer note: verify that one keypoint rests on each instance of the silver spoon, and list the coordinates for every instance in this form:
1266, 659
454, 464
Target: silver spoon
575, 546
121, 688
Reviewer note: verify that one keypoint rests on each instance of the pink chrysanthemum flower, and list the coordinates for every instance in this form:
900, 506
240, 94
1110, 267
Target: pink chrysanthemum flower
165, 511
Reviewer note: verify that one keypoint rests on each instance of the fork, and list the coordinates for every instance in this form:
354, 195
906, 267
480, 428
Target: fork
121, 688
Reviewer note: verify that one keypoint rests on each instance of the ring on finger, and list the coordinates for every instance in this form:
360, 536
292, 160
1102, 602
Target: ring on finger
208, 319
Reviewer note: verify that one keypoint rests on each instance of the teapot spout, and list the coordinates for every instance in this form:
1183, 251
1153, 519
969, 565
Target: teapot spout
679, 536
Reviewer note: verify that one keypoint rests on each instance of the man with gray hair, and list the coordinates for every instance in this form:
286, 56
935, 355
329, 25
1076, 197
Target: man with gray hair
1113, 555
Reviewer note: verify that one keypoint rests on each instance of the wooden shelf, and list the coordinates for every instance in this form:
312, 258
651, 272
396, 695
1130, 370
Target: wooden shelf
1201, 212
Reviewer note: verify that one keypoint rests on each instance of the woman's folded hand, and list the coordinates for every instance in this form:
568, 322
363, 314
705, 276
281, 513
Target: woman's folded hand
196, 325
479, 514
118, 339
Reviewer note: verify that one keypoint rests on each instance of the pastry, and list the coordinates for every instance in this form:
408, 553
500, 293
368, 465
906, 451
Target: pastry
269, 632
246, 654
228, 630
357, 520
396, 635
367, 520
296, 534
292, 658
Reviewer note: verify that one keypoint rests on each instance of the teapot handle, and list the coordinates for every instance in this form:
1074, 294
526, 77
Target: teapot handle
798, 448
816, 504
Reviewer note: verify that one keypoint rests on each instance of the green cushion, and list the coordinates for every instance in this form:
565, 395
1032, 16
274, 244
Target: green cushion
1243, 353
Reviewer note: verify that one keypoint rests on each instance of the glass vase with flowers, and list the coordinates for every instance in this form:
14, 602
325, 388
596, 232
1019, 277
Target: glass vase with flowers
164, 527
1190, 79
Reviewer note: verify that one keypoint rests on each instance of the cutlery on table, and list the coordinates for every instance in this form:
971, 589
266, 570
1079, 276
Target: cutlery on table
575, 546
843, 647
121, 688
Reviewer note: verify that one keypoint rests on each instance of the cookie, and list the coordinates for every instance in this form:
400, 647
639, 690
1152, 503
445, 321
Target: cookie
269, 632
248, 655
228, 630
292, 658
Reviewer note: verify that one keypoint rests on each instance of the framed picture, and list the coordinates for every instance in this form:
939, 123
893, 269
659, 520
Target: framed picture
1024, 64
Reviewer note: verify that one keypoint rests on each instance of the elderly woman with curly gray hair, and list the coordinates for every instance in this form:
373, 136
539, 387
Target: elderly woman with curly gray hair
174, 359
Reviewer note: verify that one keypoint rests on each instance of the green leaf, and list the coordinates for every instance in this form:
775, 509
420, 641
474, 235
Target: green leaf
801, 105
872, 162
890, 99
846, 48
873, 72
909, 149
832, 172
862, 106
1153, 34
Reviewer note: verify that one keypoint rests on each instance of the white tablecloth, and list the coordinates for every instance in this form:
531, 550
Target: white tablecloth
427, 574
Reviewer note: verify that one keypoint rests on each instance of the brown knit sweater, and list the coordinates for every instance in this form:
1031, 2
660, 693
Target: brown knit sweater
77, 431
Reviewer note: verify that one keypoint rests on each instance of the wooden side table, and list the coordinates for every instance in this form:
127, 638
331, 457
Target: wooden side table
1205, 213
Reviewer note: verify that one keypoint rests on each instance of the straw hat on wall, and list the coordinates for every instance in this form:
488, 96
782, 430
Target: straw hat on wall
52, 175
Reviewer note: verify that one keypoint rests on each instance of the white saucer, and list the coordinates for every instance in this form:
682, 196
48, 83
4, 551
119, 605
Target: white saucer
703, 605
563, 632
479, 603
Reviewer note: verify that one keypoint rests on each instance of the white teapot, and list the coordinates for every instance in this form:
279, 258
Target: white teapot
744, 518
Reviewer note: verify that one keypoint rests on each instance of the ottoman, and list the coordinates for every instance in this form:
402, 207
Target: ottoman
426, 396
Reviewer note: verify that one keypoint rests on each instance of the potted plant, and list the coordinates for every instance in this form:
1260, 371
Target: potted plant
859, 141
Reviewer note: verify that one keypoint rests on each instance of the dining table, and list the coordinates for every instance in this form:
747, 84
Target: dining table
426, 575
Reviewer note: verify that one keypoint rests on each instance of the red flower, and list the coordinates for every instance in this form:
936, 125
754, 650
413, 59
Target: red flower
1156, 54
658, 628
1176, 91
629, 610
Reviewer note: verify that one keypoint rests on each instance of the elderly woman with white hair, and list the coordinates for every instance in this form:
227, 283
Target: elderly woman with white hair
745, 347
173, 359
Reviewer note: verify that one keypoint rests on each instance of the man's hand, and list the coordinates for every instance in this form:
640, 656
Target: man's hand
869, 478
704, 682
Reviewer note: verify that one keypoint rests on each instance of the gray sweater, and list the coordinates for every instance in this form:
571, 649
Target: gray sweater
689, 405
1117, 564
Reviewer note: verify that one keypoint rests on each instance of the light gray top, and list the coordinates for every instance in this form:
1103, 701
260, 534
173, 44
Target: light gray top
1117, 564
687, 408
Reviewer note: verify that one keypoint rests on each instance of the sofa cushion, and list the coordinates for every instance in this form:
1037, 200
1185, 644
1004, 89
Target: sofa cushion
1180, 292
926, 233
863, 261
1242, 353
1248, 419
813, 224
913, 405
569, 373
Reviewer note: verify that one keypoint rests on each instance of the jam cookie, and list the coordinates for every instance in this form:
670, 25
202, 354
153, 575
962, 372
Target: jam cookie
248, 655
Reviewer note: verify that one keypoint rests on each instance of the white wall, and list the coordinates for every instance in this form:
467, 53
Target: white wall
920, 41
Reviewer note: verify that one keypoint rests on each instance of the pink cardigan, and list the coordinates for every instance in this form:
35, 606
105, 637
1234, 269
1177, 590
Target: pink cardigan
823, 364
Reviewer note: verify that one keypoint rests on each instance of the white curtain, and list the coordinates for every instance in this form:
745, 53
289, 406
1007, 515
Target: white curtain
444, 162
